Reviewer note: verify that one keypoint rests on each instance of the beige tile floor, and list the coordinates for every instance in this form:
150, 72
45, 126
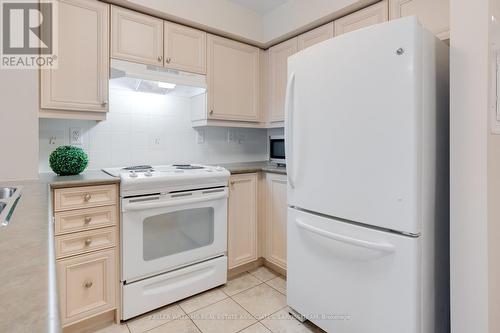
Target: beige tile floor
252, 302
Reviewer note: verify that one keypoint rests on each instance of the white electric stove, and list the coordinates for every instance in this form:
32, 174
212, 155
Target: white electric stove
173, 233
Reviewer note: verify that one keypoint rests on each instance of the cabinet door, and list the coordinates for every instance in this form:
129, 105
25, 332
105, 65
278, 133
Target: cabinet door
433, 14
371, 15
276, 219
233, 80
242, 221
87, 285
185, 48
278, 61
80, 83
136, 37
315, 36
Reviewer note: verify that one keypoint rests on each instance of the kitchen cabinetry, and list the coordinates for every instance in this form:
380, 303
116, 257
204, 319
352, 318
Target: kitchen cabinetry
433, 14
136, 37
371, 15
315, 36
276, 217
242, 220
78, 88
233, 80
86, 249
185, 48
278, 60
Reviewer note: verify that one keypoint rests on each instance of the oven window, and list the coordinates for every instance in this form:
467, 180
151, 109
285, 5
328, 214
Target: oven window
179, 231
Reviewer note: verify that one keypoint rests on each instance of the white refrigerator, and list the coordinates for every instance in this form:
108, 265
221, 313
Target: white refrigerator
367, 154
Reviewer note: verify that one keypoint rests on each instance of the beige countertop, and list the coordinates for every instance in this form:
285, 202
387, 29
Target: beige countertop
249, 167
27, 261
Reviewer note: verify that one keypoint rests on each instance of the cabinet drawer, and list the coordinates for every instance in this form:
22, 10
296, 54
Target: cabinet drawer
83, 197
83, 242
85, 219
87, 285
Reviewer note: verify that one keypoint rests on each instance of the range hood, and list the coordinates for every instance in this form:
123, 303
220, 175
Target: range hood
132, 76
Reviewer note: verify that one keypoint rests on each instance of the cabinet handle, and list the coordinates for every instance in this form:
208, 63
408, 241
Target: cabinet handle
103, 104
87, 197
87, 219
88, 241
232, 182
87, 284
168, 60
211, 111
160, 58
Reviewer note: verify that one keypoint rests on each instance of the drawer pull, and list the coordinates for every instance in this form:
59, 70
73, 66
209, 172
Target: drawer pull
87, 219
87, 284
88, 241
87, 197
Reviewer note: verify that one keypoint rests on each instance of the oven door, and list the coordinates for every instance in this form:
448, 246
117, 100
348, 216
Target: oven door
167, 231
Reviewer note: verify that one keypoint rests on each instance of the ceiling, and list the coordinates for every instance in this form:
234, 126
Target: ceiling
260, 6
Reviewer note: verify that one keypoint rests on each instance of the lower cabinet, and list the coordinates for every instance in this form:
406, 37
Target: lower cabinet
87, 252
276, 217
257, 217
242, 220
86, 285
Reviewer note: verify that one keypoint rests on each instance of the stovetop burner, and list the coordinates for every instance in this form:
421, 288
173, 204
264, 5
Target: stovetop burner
138, 167
187, 166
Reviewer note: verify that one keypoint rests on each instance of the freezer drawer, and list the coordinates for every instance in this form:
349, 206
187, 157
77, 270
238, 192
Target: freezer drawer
148, 294
349, 279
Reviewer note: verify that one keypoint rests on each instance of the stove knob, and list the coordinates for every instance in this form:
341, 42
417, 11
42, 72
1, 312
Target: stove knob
148, 173
133, 174
219, 168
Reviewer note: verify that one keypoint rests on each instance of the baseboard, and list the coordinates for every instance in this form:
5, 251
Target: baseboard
92, 324
253, 265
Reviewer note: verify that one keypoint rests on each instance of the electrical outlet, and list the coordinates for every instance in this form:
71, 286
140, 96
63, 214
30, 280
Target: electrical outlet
231, 135
75, 136
200, 136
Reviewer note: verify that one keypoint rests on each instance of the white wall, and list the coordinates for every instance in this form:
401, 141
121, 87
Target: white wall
473, 292
150, 128
18, 124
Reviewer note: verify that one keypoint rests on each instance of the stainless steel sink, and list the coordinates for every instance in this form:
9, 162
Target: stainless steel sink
7, 192
2, 206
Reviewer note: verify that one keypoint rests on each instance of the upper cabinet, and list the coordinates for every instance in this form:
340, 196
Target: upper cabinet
315, 36
371, 15
278, 63
78, 88
233, 80
433, 14
185, 48
136, 37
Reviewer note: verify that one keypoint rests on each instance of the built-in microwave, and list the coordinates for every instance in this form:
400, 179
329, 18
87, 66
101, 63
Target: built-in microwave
277, 149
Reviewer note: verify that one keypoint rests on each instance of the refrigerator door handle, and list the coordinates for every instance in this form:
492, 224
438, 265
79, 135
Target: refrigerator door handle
288, 129
384, 247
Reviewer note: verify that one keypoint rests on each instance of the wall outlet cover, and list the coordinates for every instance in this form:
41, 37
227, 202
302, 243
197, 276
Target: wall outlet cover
75, 136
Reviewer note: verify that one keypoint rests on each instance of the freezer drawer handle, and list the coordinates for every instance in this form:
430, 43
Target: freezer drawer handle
346, 239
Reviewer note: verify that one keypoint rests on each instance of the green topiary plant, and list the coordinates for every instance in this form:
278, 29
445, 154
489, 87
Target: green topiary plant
68, 160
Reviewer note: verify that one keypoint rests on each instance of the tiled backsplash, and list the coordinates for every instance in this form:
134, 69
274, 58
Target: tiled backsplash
150, 128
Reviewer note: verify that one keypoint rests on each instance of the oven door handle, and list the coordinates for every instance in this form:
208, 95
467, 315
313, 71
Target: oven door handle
126, 206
